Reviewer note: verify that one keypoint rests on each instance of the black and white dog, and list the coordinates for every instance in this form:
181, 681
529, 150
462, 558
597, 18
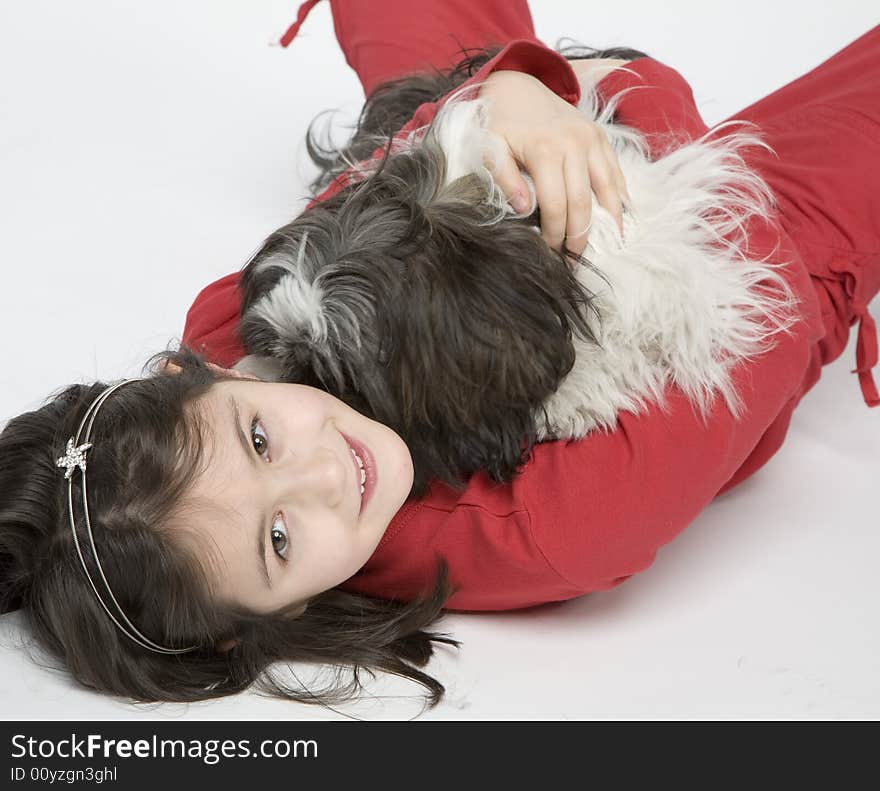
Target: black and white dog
419, 298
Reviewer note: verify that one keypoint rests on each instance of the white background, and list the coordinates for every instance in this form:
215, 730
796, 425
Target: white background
147, 148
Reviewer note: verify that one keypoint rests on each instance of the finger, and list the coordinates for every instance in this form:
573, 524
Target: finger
579, 203
602, 181
505, 170
544, 165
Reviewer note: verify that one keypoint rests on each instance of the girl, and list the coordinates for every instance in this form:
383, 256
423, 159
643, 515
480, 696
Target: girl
300, 563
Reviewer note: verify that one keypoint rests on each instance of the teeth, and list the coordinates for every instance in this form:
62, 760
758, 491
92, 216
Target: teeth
361, 465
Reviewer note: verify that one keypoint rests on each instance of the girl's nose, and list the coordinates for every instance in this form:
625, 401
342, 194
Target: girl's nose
317, 476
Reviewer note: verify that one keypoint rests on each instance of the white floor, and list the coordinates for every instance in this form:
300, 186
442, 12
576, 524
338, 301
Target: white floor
147, 148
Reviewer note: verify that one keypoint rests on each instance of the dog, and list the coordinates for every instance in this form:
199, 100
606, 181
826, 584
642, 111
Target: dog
420, 298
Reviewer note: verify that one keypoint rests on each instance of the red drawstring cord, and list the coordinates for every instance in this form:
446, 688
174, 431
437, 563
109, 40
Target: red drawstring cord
866, 355
300, 18
866, 347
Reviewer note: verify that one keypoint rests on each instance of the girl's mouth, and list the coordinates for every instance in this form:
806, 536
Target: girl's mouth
368, 479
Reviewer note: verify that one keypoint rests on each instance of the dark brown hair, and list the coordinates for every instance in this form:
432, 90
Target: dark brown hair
148, 447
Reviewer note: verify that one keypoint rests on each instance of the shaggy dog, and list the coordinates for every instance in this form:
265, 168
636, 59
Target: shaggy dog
418, 297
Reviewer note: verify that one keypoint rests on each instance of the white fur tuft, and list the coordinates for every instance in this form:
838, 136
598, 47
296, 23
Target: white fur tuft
293, 307
686, 303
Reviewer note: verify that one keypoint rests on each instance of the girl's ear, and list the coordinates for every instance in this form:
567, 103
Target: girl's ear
167, 367
225, 645
230, 372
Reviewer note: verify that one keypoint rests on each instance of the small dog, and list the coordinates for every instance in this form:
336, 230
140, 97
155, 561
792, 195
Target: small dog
419, 297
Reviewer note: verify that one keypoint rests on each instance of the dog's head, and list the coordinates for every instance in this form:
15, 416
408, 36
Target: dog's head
420, 300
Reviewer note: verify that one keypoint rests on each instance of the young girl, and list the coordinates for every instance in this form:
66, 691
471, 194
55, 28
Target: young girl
227, 513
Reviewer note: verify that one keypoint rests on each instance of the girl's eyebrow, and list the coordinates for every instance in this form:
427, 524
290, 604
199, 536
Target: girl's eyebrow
261, 532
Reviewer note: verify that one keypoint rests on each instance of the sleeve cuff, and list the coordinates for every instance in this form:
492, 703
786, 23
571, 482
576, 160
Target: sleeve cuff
538, 60
211, 327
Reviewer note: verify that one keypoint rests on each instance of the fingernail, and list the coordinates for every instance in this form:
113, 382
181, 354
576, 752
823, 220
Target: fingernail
520, 203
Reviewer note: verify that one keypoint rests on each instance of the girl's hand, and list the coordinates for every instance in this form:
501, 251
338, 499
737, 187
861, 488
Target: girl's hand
564, 153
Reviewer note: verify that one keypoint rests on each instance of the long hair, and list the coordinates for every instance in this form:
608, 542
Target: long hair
148, 447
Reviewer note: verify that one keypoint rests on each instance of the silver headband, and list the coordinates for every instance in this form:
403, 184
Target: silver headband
74, 457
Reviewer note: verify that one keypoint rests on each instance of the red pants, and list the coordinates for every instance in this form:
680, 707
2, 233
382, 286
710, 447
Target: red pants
825, 129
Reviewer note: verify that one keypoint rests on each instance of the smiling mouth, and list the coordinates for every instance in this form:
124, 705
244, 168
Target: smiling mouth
364, 465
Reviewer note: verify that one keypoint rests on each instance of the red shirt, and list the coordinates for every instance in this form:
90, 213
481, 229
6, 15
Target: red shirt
583, 515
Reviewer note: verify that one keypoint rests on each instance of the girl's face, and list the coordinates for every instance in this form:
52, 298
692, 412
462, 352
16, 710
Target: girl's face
279, 506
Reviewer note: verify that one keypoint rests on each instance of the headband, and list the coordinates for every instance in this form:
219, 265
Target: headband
75, 456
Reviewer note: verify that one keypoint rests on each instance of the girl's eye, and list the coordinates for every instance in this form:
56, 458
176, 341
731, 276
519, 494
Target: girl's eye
278, 534
261, 435
279, 538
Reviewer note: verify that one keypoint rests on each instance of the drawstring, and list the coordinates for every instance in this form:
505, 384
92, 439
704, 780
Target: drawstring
866, 346
866, 355
300, 18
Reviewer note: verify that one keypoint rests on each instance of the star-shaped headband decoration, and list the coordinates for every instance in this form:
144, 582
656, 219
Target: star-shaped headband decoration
74, 457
